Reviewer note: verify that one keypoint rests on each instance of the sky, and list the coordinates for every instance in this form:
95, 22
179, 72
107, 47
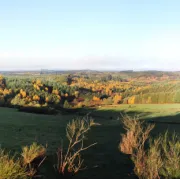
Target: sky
90, 34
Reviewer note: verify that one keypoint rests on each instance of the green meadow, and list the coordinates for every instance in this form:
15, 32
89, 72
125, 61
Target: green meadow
104, 160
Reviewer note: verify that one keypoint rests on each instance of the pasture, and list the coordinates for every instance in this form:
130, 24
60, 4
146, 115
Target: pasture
103, 160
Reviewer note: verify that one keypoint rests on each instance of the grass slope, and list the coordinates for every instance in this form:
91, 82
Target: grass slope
104, 160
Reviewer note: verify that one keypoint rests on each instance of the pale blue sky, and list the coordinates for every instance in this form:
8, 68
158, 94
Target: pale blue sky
93, 34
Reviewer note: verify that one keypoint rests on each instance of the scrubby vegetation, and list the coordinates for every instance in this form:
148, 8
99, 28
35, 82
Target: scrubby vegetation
70, 161
11, 168
33, 156
159, 159
170, 154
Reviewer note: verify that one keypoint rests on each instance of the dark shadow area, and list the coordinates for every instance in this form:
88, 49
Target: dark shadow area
38, 110
166, 119
106, 160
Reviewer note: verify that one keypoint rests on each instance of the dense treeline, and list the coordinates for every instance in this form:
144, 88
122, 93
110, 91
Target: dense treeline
81, 89
158, 93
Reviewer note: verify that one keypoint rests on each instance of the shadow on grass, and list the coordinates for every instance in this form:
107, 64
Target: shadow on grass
110, 162
104, 160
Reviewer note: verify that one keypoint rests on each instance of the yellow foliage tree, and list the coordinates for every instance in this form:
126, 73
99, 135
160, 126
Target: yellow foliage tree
96, 98
76, 93
23, 93
59, 97
6, 92
149, 100
117, 98
36, 98
131, 100
1, 91
47, 99
55, 92
38, 82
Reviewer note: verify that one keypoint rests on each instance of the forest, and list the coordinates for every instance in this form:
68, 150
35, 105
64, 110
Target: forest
78, 89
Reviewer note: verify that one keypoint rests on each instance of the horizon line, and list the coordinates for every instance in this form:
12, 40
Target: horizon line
100, 70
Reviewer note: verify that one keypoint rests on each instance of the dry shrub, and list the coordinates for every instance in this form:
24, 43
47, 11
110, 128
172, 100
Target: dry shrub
153, 160
70, 160
30, 154
11, 168
162, 157
171, 156
128, 143
147, 163
136, 134
133, 143
129, 139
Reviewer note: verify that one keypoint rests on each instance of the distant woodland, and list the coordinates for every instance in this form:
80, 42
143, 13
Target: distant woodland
77, 89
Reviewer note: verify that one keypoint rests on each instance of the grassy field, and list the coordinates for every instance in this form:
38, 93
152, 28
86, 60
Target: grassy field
104, 160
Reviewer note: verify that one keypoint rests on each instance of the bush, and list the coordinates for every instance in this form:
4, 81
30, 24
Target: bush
33, 156
18, 101
133, 142
66, 105
147, 164
136, 134
11, 168
108, 101
171, 156
32, 152
161, 159
70, 161
154, 162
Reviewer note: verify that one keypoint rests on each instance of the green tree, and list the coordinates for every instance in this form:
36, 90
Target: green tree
66, 105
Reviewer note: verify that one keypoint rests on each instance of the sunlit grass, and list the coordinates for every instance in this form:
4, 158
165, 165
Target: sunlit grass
10, 168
